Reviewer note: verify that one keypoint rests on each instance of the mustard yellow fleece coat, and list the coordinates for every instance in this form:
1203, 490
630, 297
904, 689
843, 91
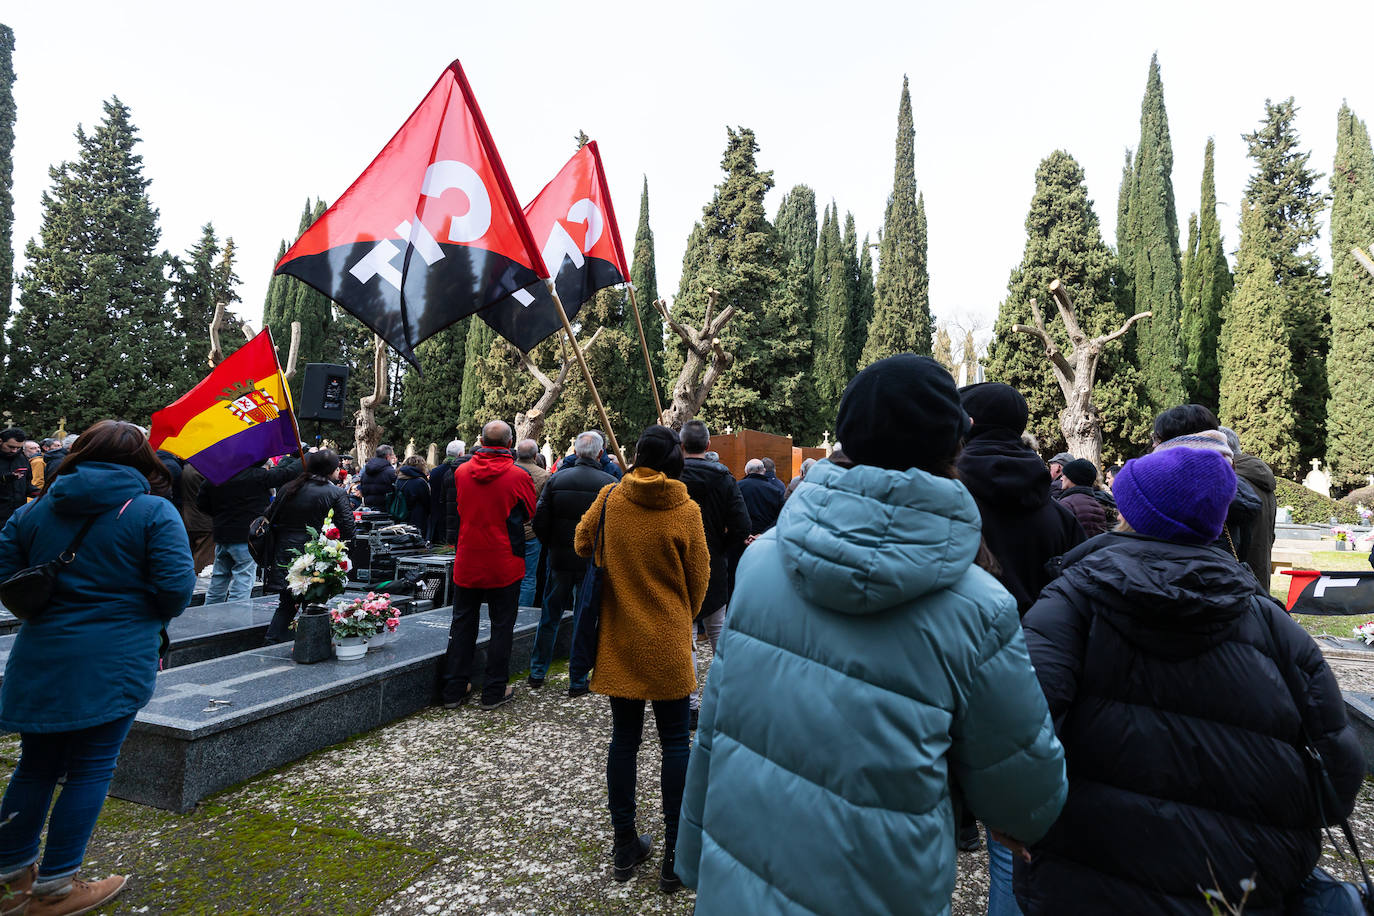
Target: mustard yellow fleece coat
657, 569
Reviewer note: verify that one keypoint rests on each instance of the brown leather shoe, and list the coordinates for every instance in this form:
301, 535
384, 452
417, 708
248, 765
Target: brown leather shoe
83, 897
14, 896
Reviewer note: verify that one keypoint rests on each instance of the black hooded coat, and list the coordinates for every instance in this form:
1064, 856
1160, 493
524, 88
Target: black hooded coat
1022, 526
1164, 667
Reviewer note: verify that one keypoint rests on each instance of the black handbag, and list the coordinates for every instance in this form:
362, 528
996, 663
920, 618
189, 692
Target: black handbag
27, 593
1321, 893
587, 609
261, 539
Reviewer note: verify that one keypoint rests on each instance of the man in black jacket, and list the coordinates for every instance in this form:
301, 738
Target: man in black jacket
566, 498
378, 479
232, 506
1023, 527
440, 486
723, 515
17, 478
761, 497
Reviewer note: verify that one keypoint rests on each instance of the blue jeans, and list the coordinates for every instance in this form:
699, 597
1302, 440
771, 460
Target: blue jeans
87, 759
234, 573
627, 730
527, 584
559, 596
1001, 900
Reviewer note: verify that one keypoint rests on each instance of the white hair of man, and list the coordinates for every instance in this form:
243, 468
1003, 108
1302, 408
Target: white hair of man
456, 448
69, 440
753, 466
807, 465
588, 445
526, 450
1231, 439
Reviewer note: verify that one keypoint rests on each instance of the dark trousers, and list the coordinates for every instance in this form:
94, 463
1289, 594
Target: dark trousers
84, 761
559, 597
627, 729
287, 604
502, 606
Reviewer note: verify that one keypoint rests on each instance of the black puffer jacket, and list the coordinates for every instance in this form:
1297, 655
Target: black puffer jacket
725, 518
306, 508
415, 490
1260, 538
566, 498
440, 482
1180, 734
1023, 527
16, 483
376, 483
763, 500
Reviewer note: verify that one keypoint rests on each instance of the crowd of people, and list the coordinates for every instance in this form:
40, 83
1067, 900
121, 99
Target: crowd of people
929, 630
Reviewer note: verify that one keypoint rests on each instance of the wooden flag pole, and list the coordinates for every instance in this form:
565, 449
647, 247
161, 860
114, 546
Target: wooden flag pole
587, 374
644, 346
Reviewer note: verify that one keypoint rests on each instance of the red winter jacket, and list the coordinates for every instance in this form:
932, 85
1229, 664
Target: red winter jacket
495, 499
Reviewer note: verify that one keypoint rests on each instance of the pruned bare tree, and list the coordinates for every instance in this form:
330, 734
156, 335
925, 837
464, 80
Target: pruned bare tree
1076, 372
220, 321
367, 435
706, 359
529, 424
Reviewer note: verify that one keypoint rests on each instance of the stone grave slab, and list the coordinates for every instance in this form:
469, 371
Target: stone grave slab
216, 723
215, 630
1359, 709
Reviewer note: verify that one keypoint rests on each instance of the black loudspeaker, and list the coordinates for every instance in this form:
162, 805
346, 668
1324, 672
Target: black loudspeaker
322, 396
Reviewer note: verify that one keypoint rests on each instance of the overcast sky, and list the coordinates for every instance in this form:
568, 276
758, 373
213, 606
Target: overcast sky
246, 109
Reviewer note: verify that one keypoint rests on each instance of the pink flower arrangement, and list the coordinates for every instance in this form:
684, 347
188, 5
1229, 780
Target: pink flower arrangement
363, 616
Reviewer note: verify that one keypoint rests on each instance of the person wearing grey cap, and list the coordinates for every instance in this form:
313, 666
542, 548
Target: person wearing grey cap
1057, 463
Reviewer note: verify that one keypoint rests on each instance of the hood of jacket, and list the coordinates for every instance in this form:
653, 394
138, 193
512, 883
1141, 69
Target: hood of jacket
93, 487
865, 539
1256, 472
489, 463
653, 489
409, 472
375, 466
1002, 471
1171, 600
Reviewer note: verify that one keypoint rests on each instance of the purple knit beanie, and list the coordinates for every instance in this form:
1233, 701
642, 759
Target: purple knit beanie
1179, 495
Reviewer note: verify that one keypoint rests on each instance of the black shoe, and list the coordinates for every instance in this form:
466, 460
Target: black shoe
970, 839
459, 701
579, 691
629, 855
668, 881
501, 700
535, 682
692, 718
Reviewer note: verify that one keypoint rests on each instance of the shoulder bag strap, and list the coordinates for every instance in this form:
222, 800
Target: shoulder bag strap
1309, 748
601, 530
67, 556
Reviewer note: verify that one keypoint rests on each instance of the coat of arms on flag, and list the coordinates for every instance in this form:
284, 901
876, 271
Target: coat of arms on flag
250, 403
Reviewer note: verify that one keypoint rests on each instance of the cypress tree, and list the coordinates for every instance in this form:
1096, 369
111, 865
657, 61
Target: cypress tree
735, 250
204, 277
7, 118
862, 300
1350, 415
288, 300
95, 333
853, 345
834, 286
1064, 242
433, 399
477, 347
944, 348
639, 401
1283, 190
968, 359
1207, 285
1259, 388
1151, 256
901, 306
798, 233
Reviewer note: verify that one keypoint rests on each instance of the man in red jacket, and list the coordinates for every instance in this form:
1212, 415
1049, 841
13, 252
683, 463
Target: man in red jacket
495, 498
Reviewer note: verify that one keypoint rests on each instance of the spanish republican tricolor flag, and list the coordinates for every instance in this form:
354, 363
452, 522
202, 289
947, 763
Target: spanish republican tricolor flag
239, 416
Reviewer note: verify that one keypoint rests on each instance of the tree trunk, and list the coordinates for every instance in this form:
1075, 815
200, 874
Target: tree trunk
706, 361
367, 434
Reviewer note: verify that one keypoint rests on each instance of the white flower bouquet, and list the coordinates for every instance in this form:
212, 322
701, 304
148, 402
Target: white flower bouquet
319, 570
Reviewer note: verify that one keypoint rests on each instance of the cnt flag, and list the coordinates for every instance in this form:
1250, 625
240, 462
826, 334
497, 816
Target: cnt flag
429, 233
1332, 594
238, 416
582, 251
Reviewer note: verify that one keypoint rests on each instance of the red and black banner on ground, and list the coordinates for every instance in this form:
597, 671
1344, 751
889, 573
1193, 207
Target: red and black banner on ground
429, 233
574, 220
1333, 594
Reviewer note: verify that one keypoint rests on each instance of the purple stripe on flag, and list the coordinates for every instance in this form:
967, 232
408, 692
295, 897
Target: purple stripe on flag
244, 450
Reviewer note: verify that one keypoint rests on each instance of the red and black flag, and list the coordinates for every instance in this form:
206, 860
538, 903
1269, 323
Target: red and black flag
429, 233
575, 221
1334, 594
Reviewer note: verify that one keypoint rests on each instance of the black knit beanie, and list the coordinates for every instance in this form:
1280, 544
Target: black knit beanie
1081, 471
901, 412
994, 404
660, 449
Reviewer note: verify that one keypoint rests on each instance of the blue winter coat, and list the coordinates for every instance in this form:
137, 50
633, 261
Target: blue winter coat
91, 656
866, 663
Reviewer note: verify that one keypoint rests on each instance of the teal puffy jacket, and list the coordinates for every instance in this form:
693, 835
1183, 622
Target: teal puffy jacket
867, 663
